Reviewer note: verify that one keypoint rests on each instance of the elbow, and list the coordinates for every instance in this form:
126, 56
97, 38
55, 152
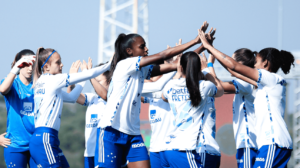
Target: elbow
220, 92
4, 91
104, 98
72, 100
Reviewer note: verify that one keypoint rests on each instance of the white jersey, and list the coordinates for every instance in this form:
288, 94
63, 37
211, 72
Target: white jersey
160, 118
187, 122
207, 142
96, 106
243, 115
269, 107
124, 96
49, 96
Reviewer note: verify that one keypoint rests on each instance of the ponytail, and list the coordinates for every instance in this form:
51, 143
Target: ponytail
191, 66
122, 43
287, 59
41, 56
20, 54
277, 59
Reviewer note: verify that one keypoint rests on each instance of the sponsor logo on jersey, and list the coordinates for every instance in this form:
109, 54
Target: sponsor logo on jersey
27, 106
152, 114
91, 125
93, 122
27, 109
40, 91
94, 118
155, 120
26, 113
180, 97
138, 145
39, 166
260, 159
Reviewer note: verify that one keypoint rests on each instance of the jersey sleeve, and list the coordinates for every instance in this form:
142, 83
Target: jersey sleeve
12, 88
147, 100
266, 78
130, 65
242, 87
158, 85
87, 74
167, 89
88, 98
59, 80
209, 89
74, 94
147, 70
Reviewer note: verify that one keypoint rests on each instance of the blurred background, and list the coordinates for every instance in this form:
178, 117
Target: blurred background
82, 29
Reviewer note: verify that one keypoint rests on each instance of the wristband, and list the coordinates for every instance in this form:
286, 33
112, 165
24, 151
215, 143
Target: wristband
210, 64
15, 70
205, 71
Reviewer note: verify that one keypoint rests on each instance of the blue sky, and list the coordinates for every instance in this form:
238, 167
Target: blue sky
71, 26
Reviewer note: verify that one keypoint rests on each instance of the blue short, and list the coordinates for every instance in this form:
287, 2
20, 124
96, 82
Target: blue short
17, 159
114, 148
209, 160
89, 162
272, 156
179, 159
245, 157
155, 159
44, 148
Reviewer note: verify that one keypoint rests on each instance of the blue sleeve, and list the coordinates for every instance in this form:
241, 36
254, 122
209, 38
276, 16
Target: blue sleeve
236, 86
12, 88
147, 70
147, 100
266, 78
242, 87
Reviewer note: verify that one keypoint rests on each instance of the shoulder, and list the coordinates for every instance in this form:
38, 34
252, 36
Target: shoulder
243, 83
90, 96
205, 83
130, 60
169, 86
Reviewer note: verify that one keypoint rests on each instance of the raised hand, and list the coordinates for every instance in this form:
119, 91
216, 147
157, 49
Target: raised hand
84, 65
90, 63
179, 55
204, 26
203, 39
23, 62
75, 66
179, 69
210, 36
203, 29
203, 61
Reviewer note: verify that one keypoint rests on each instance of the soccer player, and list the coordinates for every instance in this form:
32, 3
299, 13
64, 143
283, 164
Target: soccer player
120, 132
49, 98
273, 139
18, 94
188, 97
